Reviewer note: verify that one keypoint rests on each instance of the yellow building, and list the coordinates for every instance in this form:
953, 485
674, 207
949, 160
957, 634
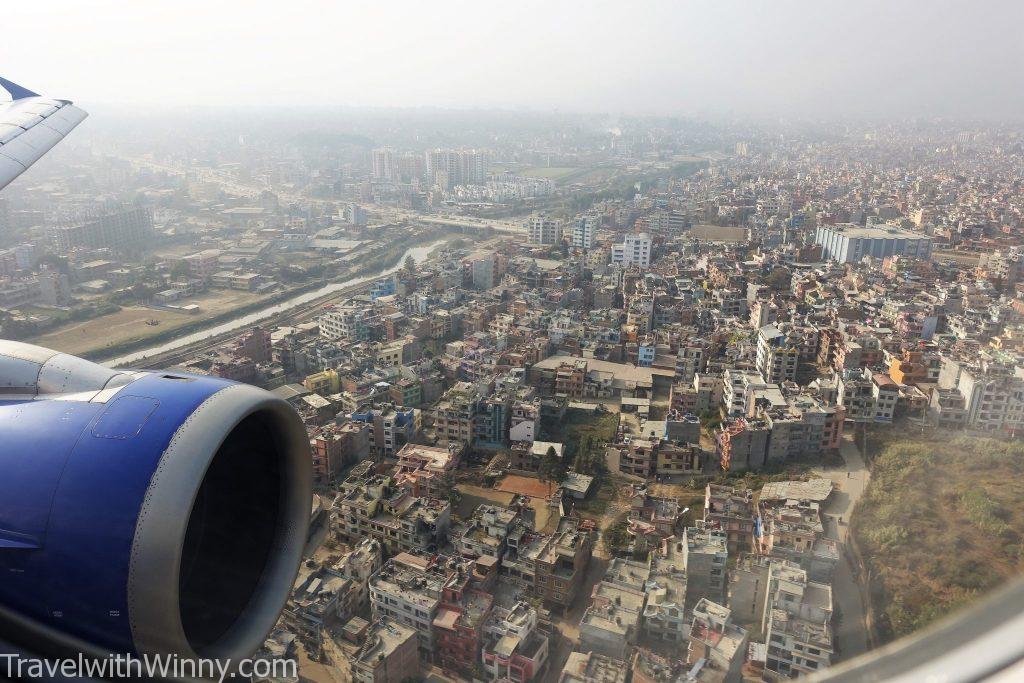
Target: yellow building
323, 383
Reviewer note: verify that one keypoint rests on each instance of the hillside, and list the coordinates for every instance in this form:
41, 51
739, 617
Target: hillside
939, 525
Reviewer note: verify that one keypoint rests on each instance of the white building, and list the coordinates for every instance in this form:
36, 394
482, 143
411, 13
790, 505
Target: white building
797, 621
740, 387
849, 243
545, 230
347, 322
777, 355
583, 229
383, 163
635, 250
408, 589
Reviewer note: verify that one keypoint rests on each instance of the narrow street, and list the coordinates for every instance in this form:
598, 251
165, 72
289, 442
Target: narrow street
568, 623
851, 480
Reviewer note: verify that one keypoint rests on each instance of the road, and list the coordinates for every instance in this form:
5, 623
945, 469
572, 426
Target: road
568, 624
851, 481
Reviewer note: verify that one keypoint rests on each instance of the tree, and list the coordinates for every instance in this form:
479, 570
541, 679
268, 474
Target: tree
779, 279
564, 463
583, 465
58, 263
181, 269
410, 264
550, 464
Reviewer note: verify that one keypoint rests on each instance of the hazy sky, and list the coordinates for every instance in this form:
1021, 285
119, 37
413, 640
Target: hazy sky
920, 57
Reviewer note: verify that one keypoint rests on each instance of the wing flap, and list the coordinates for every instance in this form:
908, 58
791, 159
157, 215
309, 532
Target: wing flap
30, 127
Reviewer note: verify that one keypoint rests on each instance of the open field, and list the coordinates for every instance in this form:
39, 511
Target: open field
579, 424
719, 233
593, 176
939, 525
552, 172
962, 257
472, 497
527, 486
130, 323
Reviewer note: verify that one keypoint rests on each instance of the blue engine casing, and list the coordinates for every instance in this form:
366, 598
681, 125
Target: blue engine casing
97, 489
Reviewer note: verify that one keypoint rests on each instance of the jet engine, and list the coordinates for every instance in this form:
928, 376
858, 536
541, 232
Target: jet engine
145, 512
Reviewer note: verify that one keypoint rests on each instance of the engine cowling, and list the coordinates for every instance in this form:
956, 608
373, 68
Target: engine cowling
147, 512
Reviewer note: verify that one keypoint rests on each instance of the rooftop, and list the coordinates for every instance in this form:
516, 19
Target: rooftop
384, 637
813, 490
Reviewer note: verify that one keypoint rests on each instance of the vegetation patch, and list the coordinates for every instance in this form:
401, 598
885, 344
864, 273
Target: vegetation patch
939, 525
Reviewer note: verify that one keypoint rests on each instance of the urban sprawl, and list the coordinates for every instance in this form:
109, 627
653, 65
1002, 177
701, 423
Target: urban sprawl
584, 403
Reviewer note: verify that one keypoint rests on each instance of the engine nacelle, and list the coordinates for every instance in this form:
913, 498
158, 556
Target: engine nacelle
147, 512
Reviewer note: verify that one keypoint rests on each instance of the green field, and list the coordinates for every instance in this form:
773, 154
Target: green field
580, 423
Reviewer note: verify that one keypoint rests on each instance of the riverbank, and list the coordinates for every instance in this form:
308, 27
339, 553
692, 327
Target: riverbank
282, 305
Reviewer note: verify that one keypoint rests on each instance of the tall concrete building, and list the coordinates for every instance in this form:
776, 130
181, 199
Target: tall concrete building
583, 229
119, 230
383, 163
797, 622
848, 243
777, 355
449, 168
472, 167
635, 250
545, 230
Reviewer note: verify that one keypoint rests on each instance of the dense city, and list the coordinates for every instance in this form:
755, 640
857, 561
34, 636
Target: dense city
588, 399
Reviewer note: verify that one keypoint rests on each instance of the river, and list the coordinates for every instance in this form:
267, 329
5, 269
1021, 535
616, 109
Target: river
419, 254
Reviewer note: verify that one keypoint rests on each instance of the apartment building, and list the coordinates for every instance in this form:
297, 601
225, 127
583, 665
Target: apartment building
516, 644
716, 642
797, 621
731, 509
334, 447
778, 355
424, 470
992, 391
665, 617
867, 396
455, 414
792, 530
389, 654
118, 230
377, 508
485, 534
392, 427
350, 322
562, 563
740, 386
408, 589
705, 552
459, 624
611, 623
544, 230
592, 667
583, 230
635, 250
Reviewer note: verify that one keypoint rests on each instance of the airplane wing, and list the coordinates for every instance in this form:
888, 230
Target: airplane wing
30, 125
